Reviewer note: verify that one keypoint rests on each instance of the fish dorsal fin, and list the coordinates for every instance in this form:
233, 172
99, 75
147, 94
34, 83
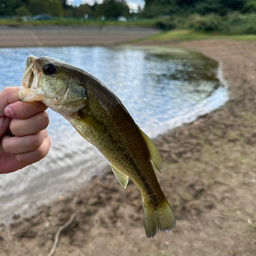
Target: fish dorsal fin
122, 178
155, 156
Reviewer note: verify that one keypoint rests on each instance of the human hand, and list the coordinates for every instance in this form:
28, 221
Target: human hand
23, 136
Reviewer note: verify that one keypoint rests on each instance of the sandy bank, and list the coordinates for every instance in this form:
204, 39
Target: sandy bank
209, 179
64, 36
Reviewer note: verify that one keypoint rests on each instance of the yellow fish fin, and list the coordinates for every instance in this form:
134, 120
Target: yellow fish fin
81, 134
160, 219
122, 178
155, 156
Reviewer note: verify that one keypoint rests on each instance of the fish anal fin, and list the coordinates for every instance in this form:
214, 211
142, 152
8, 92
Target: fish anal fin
122, 178
155, 156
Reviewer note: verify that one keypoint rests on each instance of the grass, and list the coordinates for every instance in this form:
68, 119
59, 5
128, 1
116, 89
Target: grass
187, 35
17, 21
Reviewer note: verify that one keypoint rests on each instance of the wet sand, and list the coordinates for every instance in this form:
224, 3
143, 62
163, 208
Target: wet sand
209, 178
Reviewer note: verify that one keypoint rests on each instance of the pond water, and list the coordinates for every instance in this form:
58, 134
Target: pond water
162, 88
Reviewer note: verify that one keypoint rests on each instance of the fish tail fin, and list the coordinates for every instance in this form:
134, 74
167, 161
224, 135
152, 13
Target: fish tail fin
158, 219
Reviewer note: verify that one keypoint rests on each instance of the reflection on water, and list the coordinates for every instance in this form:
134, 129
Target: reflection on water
161, 88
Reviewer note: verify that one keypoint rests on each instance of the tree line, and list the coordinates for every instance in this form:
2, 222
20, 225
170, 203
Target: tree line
59, 8
221, 16
156, 8
116, 8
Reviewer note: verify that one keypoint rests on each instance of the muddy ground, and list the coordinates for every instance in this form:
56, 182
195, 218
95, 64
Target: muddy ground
209, 178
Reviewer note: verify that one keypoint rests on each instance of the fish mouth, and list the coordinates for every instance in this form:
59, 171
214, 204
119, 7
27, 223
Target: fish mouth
29, 82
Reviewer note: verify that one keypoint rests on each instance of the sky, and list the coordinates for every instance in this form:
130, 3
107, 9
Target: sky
133, 4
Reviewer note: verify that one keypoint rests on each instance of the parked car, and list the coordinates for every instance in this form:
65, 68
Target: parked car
43, 17
122, 19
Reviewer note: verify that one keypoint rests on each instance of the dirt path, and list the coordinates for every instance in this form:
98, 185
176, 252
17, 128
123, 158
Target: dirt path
65, 36
209, 178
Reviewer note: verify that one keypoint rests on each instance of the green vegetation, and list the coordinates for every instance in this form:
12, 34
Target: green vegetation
230, 17
231, 24
156, 8
30, 7
64, 21
187, 35
59, 8
113, 9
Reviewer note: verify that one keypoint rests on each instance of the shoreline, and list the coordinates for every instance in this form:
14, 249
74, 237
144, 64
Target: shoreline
46, 171
209, 178
50, 36
30, 209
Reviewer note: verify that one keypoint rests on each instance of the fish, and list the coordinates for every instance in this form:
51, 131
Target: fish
99, 116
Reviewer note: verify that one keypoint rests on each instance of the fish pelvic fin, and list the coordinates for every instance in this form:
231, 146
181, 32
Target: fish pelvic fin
160, 219
82, 135
155, 156
122, 178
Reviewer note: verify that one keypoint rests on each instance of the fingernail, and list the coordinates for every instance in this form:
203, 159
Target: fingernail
8, 111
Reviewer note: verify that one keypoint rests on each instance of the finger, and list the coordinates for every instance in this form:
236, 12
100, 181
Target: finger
7, 96
8, 162
24, 110
20, 145
31, 125
4, 125
34, 156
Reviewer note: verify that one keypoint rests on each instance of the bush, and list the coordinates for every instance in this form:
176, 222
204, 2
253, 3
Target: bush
232, 23
236, 23
208, 23
22, 11
166, 24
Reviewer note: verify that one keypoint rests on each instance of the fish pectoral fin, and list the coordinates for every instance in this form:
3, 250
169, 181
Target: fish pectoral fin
155, 156
122, 178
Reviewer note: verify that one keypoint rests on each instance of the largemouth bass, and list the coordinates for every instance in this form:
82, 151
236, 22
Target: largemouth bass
100, 117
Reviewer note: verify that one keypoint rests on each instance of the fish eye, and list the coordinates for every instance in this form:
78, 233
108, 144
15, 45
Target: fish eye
49, 69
